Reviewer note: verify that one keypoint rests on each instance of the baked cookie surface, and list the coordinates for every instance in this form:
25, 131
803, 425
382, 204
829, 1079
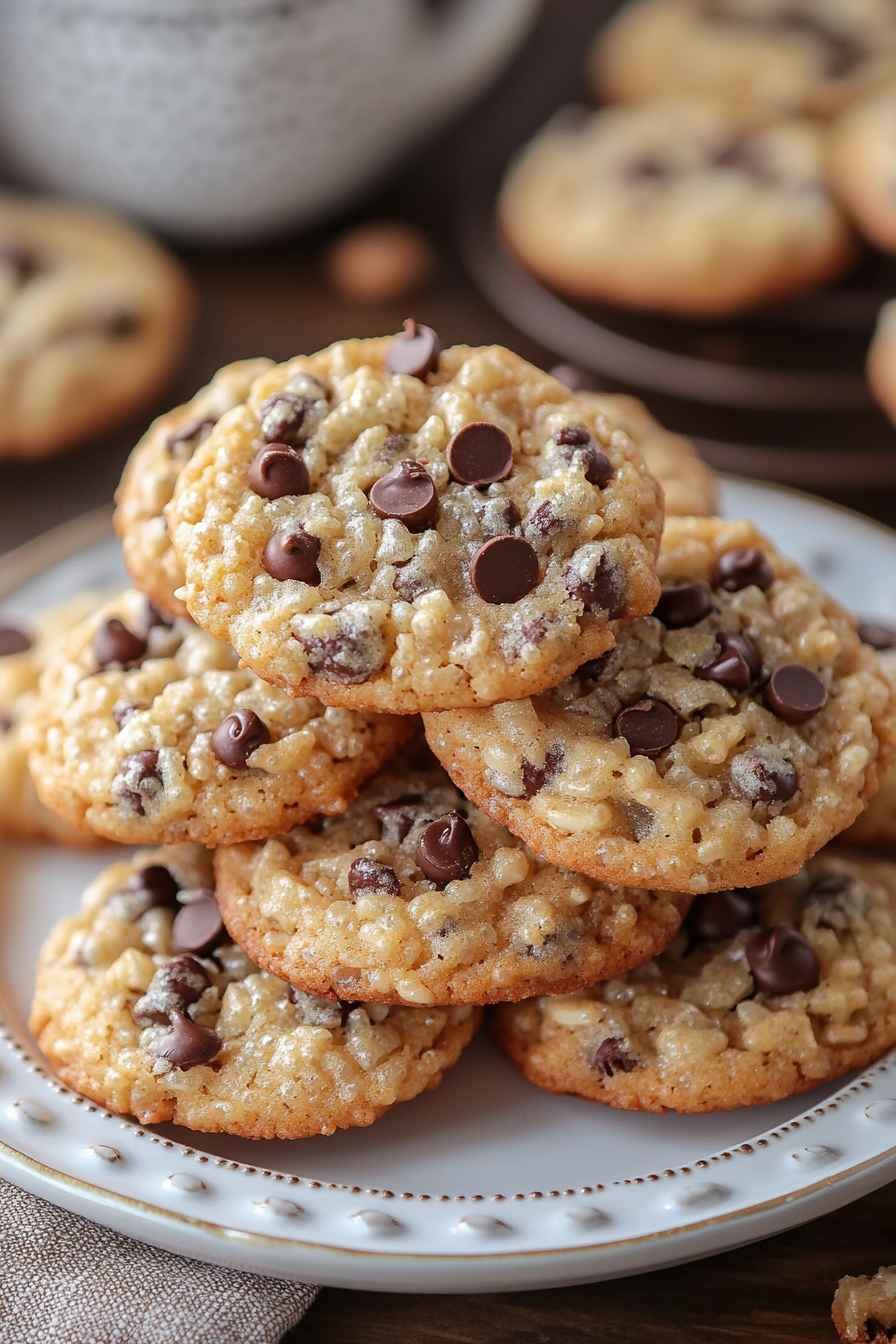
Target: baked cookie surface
146, 731
675, 207
770, 58
864, 1307
722, 742
144, 1005
152, 470
763, 994
414, 896
24, 653
93, 317
453, 538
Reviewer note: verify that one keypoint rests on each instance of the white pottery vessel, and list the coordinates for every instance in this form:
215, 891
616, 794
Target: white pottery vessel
228, 120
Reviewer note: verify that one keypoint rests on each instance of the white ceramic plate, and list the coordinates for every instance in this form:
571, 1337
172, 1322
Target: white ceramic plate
485, 1184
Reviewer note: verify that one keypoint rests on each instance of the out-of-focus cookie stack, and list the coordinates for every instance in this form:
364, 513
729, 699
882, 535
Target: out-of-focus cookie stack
626, 736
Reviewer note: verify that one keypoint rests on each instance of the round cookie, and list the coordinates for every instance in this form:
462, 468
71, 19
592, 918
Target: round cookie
389, 578
152, 471
132, 1011
675, 207
881, 361
414, 896
24, 653
146, 731
762, 995
864, 1307
862, 165
767, 58
722, 742
93, 318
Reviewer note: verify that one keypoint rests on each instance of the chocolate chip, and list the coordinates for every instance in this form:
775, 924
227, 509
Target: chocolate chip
544, 521
594, 669
141, 780
407, 493
741, 567
292, 553
737, 664
406, 583
480, 454
368, 875
393, 444
157, 885
649, 727
795, 693
115, 643
781, 961
497, 517
237, 736
536, 776
123, 710
574, 377
415, 350
576, 441
5, 723
829, 888
682, 604
447, 850
351, 656
176, 985
186, 1044
720, 914
282, 417
198, 926
610, 1057
397, 818
597, 593
505, 569
194, 429
13, 641
879, 636
155, 619
278, 470
763, 775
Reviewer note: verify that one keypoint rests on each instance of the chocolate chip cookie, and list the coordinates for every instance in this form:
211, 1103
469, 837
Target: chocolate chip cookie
413, 896
93, 317
765, 57
152, 470
144, 1005
864, 1307
24, 653
392, 526
675, 207
763, 994
147, 730
724, 740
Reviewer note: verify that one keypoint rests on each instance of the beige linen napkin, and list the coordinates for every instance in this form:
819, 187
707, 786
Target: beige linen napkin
64, 1280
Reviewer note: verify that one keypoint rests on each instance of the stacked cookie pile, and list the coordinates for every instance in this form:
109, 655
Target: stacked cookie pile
619, 732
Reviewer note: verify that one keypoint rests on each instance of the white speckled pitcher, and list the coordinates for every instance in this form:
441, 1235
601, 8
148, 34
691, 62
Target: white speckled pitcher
226, 120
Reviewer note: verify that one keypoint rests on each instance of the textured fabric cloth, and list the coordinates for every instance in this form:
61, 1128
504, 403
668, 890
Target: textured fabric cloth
64, 1280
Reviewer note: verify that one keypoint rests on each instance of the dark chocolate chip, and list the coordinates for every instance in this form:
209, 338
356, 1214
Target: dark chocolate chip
397, 818
879, 636
577, 440
343, 657
142, 780
186, 1044
829, 888
155, 619
13, 640
123, 710
505, 569
741, 567
600, 592
447, 850
574, 377
720, 914
277, 471
282, 417
406, 583
198, 926
415, 350
611, 1057
156, 885
407, 493
795, 693
177, 984
368, 875
649, 727
194, 429
763, 776
682, 604
237, 736
480, 454
536, 776
544, 521
115, 643
781, 961
498, 517
594, 669
737, 665
292, 553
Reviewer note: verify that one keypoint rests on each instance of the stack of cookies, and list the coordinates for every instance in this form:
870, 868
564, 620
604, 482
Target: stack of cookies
636, 742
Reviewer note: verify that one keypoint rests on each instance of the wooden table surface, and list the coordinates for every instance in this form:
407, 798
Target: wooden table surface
273, 300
